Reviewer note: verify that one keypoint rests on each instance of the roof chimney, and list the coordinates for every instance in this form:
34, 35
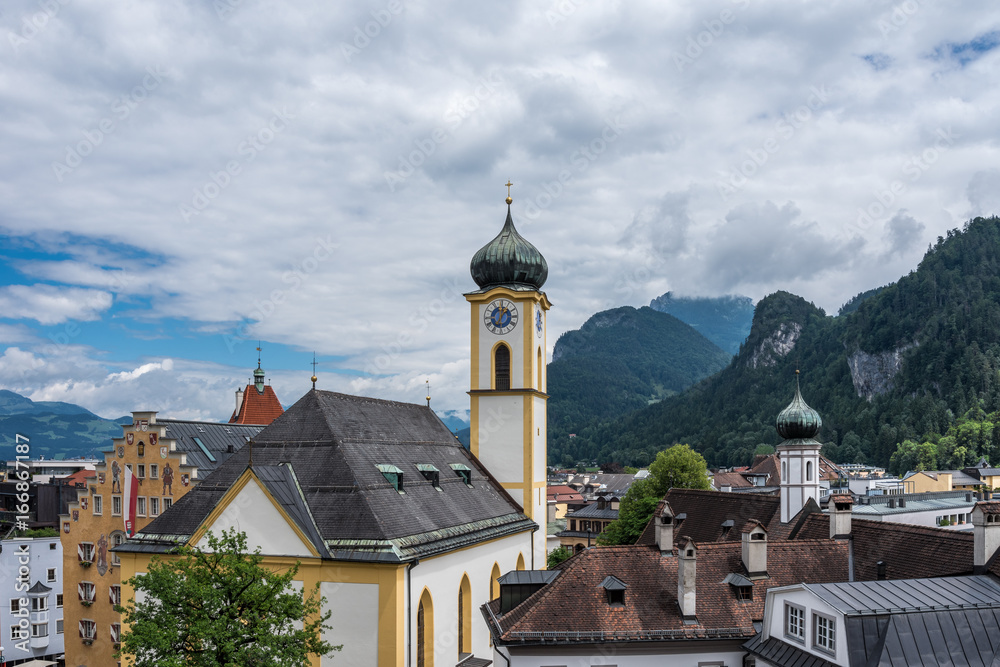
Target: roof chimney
986, 533
755, 549
686, 560
665, 530
841, 505
239, 400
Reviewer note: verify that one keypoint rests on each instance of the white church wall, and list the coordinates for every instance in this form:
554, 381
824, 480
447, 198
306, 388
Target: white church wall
442, 576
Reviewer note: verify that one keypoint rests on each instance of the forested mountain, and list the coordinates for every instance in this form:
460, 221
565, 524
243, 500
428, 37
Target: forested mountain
55, 430
724, 320
621, 360
904, 362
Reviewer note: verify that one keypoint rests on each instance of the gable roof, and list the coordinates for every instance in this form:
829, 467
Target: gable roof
908, 551
257, 407
321, 458
574, 608
706, 512
217, 438
952, 620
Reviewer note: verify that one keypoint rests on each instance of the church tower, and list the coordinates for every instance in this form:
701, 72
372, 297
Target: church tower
798, 424
508, 406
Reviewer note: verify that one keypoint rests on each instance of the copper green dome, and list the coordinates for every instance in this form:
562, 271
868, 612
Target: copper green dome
798, 420
509, 260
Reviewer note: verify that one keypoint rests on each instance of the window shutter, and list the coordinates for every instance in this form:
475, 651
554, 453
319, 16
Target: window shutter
79, 551
81, 591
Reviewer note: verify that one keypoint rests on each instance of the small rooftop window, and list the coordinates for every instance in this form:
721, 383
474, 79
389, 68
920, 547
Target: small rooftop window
204, 449
614, 589
431, 474
393, 475
462, 471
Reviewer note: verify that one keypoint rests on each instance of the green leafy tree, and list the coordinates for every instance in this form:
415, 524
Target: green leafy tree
221, 607
557, 556
676, 467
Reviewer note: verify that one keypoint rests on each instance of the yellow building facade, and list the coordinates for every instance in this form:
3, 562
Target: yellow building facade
156, 453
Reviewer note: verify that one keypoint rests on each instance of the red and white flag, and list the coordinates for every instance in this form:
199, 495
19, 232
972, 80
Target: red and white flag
129, 491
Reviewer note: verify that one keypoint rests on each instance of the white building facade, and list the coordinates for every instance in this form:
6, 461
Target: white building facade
31, 599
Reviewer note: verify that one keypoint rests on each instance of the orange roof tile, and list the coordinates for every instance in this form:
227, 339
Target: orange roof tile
257, 408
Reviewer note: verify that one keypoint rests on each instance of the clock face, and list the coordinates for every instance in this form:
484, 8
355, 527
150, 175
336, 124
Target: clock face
500, 317
538, 323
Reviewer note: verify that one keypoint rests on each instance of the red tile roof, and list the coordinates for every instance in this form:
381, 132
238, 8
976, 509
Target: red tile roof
574, 602
257, 408
562, 493
908, 551
721, 479
79, 477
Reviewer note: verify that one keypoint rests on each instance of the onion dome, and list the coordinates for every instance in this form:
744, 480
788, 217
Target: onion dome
258, 378
509, 260
798, 420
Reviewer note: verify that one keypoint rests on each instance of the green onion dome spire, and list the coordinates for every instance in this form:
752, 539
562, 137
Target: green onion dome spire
798, 420
509, 260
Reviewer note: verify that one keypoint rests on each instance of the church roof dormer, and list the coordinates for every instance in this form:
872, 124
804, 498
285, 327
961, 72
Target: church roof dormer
509, 260
798, 420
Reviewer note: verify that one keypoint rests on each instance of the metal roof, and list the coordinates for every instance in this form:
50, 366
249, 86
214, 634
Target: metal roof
216, 438
909, 595
534, 577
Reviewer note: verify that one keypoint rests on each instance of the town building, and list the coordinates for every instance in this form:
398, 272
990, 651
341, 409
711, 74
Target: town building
156, 461
941, 621
705, 575
31, 600
256, 403
404, 531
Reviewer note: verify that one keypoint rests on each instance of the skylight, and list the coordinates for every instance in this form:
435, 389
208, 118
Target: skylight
204, 449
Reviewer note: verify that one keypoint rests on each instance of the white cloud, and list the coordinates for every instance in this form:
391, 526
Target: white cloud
49, 304
115, 117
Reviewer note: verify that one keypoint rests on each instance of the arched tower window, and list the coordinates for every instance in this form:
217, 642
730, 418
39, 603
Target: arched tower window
464, 616
425, 631
501, 367
809, 471
520, 562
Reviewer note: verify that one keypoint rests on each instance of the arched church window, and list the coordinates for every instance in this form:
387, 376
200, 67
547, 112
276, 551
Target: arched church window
809, 471
425, 631
464, 616
501, 365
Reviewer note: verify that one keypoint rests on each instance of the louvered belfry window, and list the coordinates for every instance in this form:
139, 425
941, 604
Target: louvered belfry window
502, 366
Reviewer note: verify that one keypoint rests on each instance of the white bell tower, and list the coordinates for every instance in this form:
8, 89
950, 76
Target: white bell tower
507, 389
799, 454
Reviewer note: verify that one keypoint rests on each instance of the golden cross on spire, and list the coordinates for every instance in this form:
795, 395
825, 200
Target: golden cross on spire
508, 184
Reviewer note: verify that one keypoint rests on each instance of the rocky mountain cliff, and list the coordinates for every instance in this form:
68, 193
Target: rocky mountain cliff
900, 362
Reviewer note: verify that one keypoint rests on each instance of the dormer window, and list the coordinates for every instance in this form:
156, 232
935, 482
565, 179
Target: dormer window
614, 590
431, 474
393, 475
463, 471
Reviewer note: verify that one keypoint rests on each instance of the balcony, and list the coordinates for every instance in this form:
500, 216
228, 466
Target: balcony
40, 642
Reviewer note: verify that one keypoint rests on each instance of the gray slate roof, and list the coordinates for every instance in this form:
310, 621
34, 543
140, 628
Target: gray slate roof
319, 459
592, 511
217, 438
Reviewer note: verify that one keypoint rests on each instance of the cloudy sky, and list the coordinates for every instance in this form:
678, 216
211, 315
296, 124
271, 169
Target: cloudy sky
182, 178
